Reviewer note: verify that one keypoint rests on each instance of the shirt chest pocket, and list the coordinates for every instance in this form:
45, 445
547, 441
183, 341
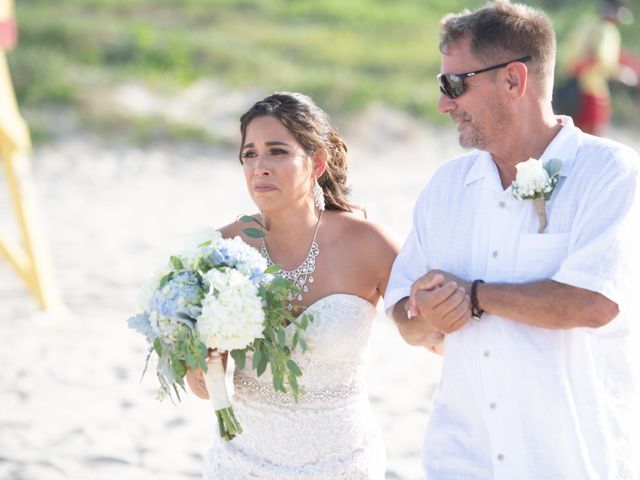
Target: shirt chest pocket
540, 255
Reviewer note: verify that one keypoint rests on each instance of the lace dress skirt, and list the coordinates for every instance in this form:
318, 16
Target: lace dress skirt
327, 438
331, 433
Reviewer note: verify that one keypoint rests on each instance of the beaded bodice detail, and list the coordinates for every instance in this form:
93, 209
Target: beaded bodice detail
331, 432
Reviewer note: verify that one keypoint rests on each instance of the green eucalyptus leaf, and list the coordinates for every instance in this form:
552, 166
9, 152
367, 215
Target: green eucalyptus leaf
240, 357
157, 346
269, 335
202, 363
176, 263
190, 359
294, 368
166, 279
295, 388
294, 341
303, 344
262, 365
254, 233
281, 337
177, 366
250, 219
273, 269
257, 357
278, 383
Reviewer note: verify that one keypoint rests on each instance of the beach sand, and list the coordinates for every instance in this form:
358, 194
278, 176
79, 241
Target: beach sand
71, 404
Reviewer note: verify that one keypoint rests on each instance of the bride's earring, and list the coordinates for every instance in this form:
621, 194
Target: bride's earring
318, 195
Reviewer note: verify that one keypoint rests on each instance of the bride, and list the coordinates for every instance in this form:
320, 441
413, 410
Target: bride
295, 166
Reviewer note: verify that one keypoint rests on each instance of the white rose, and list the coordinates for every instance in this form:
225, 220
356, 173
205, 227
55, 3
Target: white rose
531, 178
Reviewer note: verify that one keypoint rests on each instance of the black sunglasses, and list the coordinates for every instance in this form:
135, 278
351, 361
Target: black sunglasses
452, 84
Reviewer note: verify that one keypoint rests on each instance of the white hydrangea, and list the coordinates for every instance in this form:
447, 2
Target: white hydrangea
232, 315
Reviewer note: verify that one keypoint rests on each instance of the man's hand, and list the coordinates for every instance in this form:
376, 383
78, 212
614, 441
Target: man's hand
440, 302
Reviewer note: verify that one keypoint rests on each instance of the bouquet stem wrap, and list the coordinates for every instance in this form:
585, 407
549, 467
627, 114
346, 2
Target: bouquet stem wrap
215, 380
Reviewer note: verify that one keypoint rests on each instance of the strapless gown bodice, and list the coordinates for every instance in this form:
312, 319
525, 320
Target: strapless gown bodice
331, 433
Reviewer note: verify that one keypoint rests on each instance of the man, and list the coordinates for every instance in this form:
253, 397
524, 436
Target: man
541, 383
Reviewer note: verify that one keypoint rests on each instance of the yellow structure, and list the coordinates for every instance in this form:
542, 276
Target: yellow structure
31, 262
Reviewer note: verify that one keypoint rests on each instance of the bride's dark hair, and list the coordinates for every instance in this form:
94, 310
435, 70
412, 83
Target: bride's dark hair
311, 128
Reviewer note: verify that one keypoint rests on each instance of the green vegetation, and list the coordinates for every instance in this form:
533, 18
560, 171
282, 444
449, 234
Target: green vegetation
345, 53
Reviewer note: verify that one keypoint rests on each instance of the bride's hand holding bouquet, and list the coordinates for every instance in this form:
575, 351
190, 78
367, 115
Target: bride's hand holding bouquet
219, 296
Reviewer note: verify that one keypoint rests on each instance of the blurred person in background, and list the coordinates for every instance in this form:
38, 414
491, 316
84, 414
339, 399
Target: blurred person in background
595, 57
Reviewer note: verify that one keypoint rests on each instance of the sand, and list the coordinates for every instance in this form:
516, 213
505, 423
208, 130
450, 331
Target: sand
71, 405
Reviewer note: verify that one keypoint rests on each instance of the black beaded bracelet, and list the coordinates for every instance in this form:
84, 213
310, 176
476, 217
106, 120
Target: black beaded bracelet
476, 311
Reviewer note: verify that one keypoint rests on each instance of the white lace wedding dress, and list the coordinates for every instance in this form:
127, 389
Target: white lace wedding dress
331, 433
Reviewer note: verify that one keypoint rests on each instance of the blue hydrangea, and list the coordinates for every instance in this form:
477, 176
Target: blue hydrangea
234, 253
181, 295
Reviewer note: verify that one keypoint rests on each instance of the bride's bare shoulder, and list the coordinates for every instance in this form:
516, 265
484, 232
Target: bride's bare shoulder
356, 231
236, 229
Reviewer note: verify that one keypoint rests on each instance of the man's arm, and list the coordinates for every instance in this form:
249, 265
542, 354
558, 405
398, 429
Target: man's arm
547, 304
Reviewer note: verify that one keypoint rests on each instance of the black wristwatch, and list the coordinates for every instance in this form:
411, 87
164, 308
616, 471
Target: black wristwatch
476, 311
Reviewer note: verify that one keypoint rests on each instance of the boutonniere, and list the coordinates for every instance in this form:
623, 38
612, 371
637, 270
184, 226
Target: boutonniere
536, 182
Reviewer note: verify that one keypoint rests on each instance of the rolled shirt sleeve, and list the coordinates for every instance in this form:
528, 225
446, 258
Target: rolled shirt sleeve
605, 238
412, 261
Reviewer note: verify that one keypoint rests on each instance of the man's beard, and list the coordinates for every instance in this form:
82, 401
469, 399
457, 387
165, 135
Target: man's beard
469, 136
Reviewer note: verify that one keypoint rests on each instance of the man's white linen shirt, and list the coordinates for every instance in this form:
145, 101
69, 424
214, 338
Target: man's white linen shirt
522, 402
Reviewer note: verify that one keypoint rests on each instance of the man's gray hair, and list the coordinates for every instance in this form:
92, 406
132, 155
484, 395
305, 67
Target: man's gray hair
501, 31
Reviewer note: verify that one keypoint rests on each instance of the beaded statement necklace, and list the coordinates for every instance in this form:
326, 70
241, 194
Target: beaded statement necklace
303, 273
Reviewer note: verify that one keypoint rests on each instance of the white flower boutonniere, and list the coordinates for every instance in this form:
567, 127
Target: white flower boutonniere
536, 182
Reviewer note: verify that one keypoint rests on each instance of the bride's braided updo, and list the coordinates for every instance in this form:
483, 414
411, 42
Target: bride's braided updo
311, 128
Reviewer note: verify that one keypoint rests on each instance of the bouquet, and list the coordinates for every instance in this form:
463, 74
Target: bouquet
219, 296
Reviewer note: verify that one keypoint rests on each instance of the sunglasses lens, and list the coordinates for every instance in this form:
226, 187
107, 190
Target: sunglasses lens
451, 85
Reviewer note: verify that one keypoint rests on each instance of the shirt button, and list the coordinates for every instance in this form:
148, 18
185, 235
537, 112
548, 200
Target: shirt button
500, 457
494, 254
493, 405
502, 204
487, 353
